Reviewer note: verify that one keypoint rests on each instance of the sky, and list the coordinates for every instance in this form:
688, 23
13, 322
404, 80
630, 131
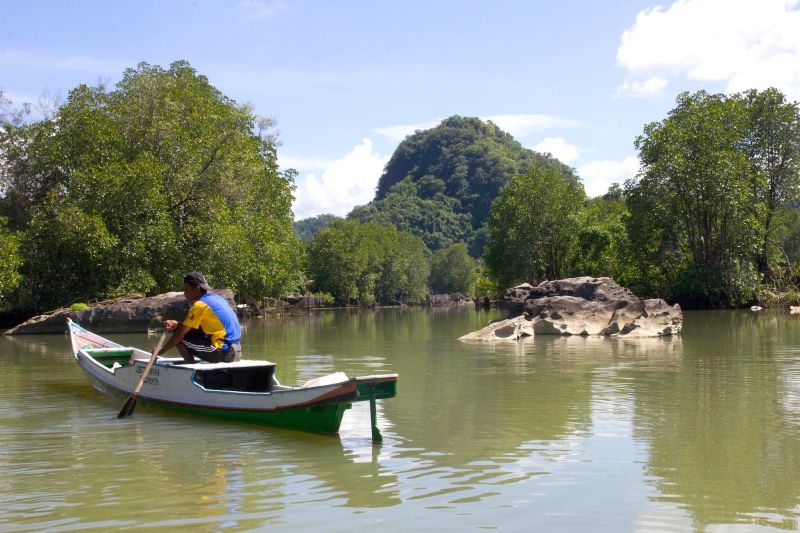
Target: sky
346, 81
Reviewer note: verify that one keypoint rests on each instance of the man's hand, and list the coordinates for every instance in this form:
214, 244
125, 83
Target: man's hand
171, 325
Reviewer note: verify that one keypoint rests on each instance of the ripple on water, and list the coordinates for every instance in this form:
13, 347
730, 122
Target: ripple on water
551, 435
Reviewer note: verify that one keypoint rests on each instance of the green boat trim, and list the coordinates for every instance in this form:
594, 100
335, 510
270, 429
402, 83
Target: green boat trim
372, 388
314, 418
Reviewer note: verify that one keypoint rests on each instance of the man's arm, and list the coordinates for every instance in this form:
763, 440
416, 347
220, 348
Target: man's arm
179, 331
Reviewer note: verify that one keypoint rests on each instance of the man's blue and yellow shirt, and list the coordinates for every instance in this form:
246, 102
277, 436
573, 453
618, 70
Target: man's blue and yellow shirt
215, 317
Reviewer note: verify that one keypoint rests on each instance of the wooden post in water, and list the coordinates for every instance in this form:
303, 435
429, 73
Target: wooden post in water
373, 416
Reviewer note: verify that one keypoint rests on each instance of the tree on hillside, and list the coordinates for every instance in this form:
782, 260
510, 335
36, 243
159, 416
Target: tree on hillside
532, 227
364, 263
434, 220
452, 270
456, 169
160, 175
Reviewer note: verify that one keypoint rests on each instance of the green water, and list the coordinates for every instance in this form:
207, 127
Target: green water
700, 432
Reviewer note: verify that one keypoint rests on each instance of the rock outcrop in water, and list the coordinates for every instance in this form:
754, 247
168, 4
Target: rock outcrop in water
581, 306
123, 315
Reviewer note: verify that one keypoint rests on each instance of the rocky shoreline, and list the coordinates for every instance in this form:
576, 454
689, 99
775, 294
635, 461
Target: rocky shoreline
137, 314
124, 315
573, 306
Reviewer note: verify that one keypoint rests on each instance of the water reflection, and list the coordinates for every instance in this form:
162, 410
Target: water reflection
166, 470
548, 433
719, 441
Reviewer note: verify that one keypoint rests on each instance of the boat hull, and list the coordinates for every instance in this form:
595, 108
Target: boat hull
243, 391
321, 418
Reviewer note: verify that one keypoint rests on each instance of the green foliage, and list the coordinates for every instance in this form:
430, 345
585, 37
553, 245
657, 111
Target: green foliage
78, 307
533, 227
788, 242
452, 270
439, 183
435, 221
363, 263
66, 253
771, 142
125, 189
602, 245
326, 297
706, 211
10, 262
771, 298
484, 284
307, 228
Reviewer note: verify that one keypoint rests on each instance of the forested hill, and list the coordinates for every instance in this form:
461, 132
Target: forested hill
440, 183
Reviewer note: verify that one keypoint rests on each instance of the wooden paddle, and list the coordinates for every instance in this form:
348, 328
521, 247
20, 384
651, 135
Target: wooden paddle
130, 403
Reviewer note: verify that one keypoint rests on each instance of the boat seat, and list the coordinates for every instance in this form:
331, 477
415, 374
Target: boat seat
110, 356
244, 379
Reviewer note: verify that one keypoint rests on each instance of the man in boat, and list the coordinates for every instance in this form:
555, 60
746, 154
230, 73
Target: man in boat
210, 330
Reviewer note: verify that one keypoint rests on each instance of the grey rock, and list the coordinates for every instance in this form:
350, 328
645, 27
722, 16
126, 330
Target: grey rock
123, 315
582, 306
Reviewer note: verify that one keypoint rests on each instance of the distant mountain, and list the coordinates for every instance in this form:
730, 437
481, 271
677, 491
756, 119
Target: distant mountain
440, 183
307, 228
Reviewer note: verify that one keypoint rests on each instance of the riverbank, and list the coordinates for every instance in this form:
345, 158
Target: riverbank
139, 313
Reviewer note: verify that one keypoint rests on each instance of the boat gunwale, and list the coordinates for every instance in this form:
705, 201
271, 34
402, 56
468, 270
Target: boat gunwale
350, 383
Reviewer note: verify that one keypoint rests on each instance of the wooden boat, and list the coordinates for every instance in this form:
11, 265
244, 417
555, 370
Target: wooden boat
245, 390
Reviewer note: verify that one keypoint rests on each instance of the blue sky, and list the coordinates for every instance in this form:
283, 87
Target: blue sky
346, 80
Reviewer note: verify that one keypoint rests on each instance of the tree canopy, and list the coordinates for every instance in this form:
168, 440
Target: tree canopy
365, 263
719, 177
10, 262
533, 227
452, 270
601, 245
123, 189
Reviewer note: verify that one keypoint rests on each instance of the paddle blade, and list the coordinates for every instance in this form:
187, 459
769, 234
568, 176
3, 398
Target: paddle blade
127, 407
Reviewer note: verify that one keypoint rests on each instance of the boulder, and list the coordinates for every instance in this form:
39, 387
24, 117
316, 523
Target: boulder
123, 315
581, 306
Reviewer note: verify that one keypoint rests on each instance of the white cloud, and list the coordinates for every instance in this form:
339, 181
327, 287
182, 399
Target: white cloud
558, 148
522, 124
347, 182
648, 87
260, 9
398, 133
598, 175
17, 99
24, 58
744, 43
301, 165
518, 125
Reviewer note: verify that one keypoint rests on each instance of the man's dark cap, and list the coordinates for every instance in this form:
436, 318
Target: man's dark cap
198, 279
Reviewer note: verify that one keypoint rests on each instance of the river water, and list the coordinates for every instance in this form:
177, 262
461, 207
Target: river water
696, 433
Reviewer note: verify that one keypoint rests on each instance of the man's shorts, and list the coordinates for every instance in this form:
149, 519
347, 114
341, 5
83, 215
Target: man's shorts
199, 345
